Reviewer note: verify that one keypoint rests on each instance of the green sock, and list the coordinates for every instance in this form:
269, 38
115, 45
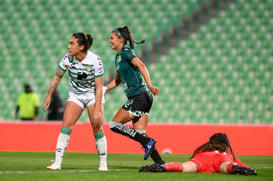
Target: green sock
65, 130
99, 135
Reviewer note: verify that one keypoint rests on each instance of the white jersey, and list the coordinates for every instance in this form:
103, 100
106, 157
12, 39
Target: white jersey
82, 74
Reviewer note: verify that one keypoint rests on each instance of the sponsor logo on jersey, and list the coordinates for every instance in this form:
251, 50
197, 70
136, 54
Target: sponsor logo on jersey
73, 65
88, 68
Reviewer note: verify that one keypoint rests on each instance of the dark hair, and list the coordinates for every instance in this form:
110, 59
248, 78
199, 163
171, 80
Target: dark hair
125, 33
27, 88
218, 141
84, 39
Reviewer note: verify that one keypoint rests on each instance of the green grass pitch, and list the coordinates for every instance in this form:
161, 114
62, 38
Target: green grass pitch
30, 166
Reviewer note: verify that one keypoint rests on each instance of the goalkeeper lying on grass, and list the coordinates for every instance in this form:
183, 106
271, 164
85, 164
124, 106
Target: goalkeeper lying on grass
215, 156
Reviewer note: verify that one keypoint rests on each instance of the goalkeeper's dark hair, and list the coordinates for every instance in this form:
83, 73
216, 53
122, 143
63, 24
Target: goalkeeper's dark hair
125, 33
84, 39
219, 142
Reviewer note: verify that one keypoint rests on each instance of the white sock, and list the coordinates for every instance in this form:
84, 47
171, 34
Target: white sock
62, 144
101, 144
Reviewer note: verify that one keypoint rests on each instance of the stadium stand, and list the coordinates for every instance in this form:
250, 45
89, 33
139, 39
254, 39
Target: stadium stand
224, 70
220, 74
36, 33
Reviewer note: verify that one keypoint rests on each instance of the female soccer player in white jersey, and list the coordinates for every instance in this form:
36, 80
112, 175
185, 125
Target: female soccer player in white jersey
86, 91
133, 74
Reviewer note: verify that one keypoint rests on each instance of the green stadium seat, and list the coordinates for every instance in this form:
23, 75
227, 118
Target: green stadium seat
238, 66
206, 77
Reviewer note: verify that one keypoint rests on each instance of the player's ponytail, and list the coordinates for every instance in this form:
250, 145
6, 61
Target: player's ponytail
90, 40
84, 39
125, 33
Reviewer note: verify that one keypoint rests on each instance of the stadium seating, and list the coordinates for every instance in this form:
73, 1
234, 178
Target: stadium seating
224, 70
34, 36
220, 74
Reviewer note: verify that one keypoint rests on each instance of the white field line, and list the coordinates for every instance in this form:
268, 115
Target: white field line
66, 171
55, 171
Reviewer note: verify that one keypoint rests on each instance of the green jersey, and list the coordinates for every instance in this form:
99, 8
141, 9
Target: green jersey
131, 77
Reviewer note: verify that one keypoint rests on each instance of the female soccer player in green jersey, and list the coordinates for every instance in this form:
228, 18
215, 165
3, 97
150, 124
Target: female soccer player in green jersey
133, 74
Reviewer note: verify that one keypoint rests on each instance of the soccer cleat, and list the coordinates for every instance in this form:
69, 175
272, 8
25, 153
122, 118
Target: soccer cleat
251, 171
149, 147
54, 166
153, 168
103, 167
243, 170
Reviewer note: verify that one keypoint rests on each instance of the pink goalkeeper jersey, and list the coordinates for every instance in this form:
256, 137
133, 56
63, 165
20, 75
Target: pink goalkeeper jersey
210, 161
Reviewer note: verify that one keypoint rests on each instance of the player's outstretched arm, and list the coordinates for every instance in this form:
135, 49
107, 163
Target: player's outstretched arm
145, 73
113, 84
53, 85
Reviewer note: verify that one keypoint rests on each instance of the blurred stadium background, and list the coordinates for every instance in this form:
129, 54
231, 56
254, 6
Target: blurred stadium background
211, 59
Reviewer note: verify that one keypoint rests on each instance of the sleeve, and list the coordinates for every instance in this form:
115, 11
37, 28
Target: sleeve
98, 65
129, 54
64, 63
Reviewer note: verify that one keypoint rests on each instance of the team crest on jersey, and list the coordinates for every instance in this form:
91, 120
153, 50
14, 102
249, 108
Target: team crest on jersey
88, 68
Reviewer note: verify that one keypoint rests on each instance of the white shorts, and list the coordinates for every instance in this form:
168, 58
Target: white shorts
83, 99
